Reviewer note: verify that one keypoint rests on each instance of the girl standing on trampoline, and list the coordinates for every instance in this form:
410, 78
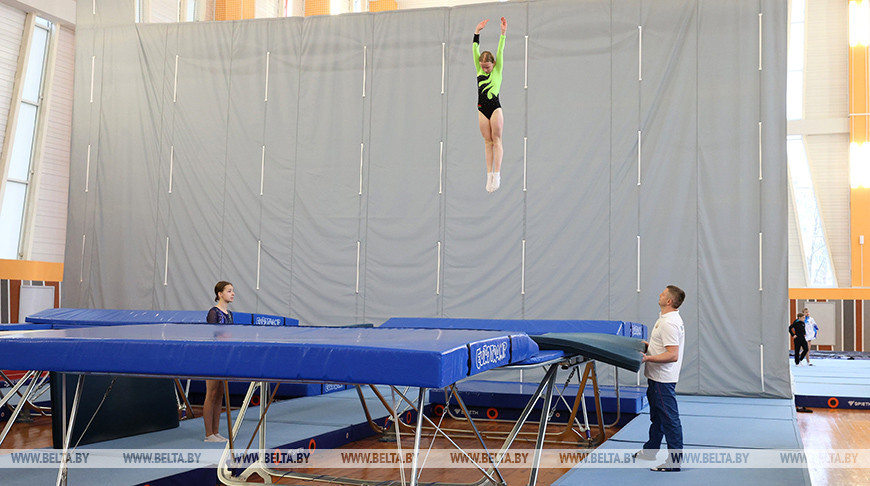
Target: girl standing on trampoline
489, 113
214, 389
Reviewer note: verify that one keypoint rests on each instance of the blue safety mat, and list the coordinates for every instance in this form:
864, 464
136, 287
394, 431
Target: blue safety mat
690, 406
689, 476
71, 317
727, 422
528, 326
428, 358
715, 431
708, 423
832, 383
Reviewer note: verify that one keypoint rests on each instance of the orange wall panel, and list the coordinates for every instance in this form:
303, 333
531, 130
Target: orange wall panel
382, 5
234, 9
859, 103
860, 219
821, 294
316, 7
31, 270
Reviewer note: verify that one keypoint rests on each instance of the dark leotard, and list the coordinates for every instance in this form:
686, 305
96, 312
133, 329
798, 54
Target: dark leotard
488, 85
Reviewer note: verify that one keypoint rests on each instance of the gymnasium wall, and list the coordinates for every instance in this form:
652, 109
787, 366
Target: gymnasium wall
332, 168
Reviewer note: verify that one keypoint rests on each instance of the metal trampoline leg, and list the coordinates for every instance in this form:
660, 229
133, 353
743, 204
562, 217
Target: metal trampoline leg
223, 469
549, 378
32, 374
416, 456
259, 468
183, 402
542, 431
21, 404
62, 472
599, 412
264, 392
476, 432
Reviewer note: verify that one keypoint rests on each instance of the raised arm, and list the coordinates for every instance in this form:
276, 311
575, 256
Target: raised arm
475, 49
499, 56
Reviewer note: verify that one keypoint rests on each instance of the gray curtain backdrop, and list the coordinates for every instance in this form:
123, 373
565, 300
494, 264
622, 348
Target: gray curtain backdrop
333, 170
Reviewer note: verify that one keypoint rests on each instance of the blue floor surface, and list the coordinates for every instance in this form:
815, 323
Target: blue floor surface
832, 383
708, 422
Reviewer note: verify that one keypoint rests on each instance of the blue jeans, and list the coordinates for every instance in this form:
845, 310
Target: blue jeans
664, 420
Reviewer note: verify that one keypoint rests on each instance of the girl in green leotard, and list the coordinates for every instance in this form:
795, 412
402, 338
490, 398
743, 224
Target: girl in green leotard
489, 112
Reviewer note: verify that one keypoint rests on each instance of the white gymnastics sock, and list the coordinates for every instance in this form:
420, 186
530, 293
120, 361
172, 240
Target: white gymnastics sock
489, 182
496, 180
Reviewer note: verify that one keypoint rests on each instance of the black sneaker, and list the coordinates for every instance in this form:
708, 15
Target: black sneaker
645, 454
666, 467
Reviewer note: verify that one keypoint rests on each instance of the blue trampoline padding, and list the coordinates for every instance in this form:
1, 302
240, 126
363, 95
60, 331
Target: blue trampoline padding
528, 326
285, 390
408, 357
23, 327
70, 317
621, 351
515, 395
364, 324
542, 357
114, 317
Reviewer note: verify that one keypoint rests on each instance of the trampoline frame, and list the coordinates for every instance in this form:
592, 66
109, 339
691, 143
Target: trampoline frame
490, 473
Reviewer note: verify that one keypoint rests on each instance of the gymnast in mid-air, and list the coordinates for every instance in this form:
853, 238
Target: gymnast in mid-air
489, 113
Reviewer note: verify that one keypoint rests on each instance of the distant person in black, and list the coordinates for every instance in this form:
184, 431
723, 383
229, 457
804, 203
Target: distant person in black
214, 389
798, 331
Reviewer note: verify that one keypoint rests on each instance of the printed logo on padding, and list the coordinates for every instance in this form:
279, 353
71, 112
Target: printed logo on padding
489, 354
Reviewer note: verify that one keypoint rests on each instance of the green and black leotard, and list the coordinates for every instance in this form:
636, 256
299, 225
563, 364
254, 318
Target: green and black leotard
488, 85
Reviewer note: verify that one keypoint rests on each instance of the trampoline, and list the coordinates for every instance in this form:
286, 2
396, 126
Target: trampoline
66, 317
417, 358
563, 344
412, 356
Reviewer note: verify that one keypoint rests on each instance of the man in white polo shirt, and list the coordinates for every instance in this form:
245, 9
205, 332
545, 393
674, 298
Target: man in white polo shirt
812, 332
663, 358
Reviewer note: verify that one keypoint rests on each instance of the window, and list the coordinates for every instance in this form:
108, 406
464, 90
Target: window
794, 104
817, 263
190, 11
819, 269
24, 135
